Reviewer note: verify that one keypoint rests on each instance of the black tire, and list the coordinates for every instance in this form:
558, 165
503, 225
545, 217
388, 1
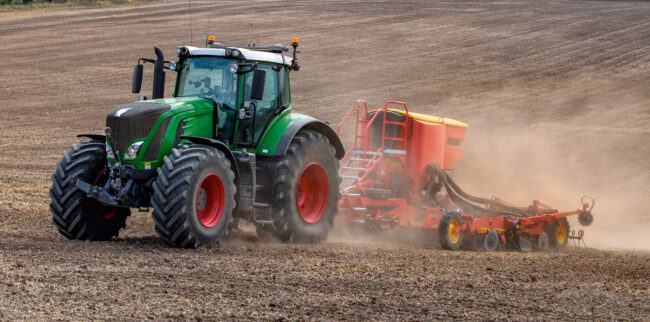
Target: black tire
446, 240
554, 234
75, 215
180, 189
306, 148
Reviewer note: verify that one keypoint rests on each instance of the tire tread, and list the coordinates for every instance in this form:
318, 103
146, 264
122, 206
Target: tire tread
170, 213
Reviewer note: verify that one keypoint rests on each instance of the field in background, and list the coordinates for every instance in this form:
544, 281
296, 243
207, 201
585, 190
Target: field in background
12, 5
556, 95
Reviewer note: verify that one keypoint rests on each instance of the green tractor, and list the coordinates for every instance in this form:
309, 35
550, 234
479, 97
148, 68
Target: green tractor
226, 146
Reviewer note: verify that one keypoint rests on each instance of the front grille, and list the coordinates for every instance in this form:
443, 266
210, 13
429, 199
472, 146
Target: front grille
133, 121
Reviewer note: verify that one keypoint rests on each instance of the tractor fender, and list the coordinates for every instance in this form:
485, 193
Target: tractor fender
226, 151
315, 125
98, 137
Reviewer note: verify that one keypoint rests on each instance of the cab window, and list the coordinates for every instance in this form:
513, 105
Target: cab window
285, 92
264, 108
208, 77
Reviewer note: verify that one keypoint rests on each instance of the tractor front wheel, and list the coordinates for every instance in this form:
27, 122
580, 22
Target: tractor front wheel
306, 190
194, 197
75, 214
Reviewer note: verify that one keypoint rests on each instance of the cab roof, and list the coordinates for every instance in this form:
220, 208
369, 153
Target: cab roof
246, 53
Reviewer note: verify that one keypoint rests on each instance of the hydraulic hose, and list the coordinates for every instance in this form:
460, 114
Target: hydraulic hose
469, 202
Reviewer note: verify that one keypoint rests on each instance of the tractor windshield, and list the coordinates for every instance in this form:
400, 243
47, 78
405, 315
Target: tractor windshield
208, 77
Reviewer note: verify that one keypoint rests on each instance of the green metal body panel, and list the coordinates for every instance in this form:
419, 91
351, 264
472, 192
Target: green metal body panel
273, 134
197, 114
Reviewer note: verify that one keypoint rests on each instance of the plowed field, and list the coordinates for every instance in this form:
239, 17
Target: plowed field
556, 94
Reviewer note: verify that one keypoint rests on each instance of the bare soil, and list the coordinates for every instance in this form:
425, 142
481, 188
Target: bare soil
556, 94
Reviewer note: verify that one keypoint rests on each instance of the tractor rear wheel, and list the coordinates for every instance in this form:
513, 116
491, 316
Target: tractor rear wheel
449, 238
558, 234
306, 190
194, 197
75, 214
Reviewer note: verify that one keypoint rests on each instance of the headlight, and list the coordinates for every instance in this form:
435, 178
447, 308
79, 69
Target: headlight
109, 152
172, 65
132, 151
233, 68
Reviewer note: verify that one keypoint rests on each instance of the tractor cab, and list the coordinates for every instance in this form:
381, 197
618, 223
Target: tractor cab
248, 89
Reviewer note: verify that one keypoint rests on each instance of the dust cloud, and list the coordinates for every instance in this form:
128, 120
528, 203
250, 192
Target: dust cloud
576, 147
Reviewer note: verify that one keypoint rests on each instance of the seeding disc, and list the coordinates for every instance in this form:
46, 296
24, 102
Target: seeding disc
491, 241
542, 241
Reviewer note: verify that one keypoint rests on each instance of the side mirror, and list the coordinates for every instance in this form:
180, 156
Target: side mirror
259, 79
137, 78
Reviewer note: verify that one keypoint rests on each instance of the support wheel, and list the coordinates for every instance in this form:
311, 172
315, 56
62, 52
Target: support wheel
558, 234
194, 197
448, 236
305, 190
75, 215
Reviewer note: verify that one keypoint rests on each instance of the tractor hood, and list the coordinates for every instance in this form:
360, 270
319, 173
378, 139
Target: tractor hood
136, 120
180, 103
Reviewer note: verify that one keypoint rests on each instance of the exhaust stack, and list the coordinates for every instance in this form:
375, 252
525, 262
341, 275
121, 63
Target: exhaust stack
158, 75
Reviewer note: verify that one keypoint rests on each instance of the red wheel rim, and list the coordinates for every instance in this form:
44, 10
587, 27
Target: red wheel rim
209, 200
102, 211
312, 192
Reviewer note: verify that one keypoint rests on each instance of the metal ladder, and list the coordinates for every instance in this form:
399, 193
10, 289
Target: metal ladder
359, 158
404, 131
